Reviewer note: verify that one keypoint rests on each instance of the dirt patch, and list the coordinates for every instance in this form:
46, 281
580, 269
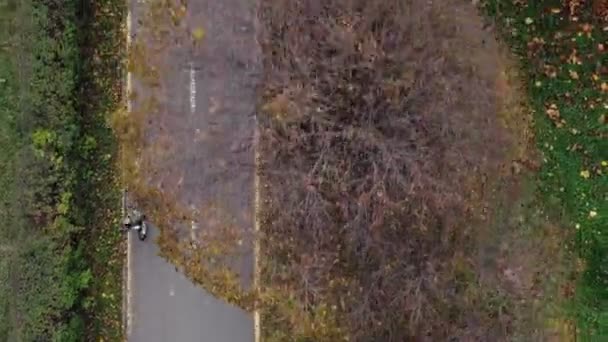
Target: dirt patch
524, 250
387, 140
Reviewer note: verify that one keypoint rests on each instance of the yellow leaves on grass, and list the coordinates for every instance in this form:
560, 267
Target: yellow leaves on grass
550, 71
535, 45
554, 115
574, 58
597, 169
573, 6
573, 74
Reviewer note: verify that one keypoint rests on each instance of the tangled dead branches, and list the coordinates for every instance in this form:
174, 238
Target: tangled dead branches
380, 122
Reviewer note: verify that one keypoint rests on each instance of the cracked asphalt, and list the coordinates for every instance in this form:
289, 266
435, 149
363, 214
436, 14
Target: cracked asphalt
207, 112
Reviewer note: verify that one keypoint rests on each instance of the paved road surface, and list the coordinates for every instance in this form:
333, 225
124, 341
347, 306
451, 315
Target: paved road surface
166, 307
208, 96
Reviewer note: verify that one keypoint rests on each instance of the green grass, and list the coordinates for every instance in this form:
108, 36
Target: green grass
563, 60
10, 145
62, 262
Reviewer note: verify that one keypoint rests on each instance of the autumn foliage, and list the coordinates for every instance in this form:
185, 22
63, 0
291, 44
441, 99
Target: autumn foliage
378, 131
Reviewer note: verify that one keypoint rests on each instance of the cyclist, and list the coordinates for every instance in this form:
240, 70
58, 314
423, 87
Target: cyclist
134, 220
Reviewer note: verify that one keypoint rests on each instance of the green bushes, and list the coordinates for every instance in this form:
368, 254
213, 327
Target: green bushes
51, 208
49, 275
52, 279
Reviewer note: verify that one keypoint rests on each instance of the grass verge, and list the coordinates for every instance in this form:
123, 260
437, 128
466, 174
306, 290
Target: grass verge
562, 49
58, 84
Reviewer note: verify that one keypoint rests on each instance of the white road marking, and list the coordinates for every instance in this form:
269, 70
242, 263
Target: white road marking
128, 294
171, 291
193, 224
129, 284
256, 202
129, 76
193, 230
192, 89
256, 228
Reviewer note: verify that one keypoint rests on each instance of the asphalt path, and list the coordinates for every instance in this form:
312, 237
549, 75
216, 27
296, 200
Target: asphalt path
208, 101
166, 306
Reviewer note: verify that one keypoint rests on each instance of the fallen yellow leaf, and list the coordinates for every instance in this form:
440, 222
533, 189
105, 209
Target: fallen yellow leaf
553, 112
198, 33
585, 174
573, 74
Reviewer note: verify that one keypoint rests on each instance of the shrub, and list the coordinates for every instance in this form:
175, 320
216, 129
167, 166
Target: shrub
380, 125
51, 169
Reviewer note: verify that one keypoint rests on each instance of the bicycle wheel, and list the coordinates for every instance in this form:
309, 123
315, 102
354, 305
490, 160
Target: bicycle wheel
142, 233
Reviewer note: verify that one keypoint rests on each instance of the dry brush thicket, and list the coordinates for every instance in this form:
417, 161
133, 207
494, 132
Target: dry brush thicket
381, 142
379, 139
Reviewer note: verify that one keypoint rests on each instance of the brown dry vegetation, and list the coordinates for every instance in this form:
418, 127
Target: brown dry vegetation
389, 129
390, 132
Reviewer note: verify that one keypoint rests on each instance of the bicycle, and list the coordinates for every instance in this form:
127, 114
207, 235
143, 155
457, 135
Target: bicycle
133, 219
